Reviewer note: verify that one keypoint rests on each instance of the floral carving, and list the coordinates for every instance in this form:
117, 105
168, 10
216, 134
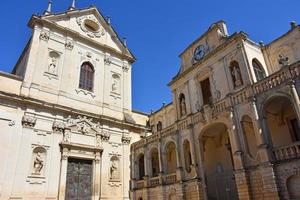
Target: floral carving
28, 121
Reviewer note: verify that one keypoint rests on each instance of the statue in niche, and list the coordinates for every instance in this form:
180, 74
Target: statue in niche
236, 74
115, 87
38, 164
114, 169
53, 59
182, 105
52, 66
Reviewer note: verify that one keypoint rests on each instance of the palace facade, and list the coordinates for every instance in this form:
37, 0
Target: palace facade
232, 130
65, 112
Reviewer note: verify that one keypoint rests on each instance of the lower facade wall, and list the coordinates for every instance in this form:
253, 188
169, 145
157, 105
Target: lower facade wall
187, 191
288, 179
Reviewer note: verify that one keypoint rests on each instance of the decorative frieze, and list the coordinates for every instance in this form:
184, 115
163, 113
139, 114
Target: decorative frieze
28, 121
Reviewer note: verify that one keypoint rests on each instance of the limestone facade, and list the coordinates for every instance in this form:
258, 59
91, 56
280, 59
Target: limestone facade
65, 112
232, 130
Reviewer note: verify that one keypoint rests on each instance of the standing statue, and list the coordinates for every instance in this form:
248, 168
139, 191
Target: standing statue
38, 164
236, 74
52, 66
183, 106
114, 170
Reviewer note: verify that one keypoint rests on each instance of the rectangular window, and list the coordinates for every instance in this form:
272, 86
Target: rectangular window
206, 92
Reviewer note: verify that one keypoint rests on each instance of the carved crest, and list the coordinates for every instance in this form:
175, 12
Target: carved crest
91, 26
82, 125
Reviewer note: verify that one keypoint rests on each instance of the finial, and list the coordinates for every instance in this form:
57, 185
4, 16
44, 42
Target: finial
261, 43
124, 41
293, 24
73, 6
48, 11
108, 19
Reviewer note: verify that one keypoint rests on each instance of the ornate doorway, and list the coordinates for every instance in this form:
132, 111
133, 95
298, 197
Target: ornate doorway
79, 180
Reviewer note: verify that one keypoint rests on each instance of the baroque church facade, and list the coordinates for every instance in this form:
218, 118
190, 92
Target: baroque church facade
232, 130
66, 116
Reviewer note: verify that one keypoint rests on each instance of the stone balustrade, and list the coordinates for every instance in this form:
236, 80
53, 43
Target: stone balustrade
154, 181
287, 152
170, 178
140, 184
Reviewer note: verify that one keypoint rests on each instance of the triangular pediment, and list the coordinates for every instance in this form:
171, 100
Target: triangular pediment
90, 24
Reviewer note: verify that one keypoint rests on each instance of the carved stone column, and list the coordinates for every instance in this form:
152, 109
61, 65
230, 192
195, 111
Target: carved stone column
202, 170
63, 173
296, 98
97, 175
178, 157
193, 152
260, 140
235, 144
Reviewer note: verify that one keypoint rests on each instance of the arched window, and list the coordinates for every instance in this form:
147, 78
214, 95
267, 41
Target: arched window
141, 166
258, 70
236, 74
86, 81
187, 156
154, 162
159, 126
182, 105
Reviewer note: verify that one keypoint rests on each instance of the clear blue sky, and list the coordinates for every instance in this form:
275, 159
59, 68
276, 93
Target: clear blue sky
156, 30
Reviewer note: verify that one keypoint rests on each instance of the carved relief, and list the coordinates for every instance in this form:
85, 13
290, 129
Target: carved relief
105, 136
125, 67
107, 59
126, 139
83, 125
44, 36
91, 26
58, 127
28, 121
69, 45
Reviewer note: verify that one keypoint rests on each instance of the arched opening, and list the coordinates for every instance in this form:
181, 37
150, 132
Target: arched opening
171, 158
236, 74
282, 122
258, 70
293, 186
141, 167
187, 156
249, 135
218, 162
155, 162
86, 80
182, 105
159, 126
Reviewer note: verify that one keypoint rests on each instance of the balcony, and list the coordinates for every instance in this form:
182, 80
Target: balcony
287, 152
155, 181
140, 184
171, 178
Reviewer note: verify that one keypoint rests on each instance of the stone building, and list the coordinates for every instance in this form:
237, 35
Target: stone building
232, 130
65, 111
